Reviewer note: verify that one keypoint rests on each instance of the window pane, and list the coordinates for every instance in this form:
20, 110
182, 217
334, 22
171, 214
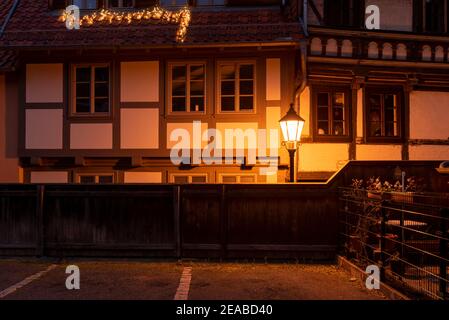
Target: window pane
375, 129
228, 104
87, 179
374, 100
391, 129
105, 179
339, 99
228, 88
101, 105
197, 88
196, 72
197, 104
246, 72
102, 74
323, 128
229, 179
181, 179
338, 128
247, 179
199, 179
246, 103
228, 72
82, 105
246, 87
338, 114
83, 90
179, 104
179, 73
390, 115
323, 100
102, 90
323, 113
179, 89
83, 74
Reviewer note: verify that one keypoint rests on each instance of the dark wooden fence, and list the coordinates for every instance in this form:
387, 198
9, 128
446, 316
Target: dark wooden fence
216, 221
298, 221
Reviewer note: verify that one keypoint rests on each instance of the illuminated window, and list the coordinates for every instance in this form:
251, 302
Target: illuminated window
95, 178
331, 112
187, 87
188, 178
236, 89
91, 89
86, 4
383, 113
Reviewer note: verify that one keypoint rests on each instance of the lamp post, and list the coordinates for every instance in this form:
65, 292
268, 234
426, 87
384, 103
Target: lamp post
292, 125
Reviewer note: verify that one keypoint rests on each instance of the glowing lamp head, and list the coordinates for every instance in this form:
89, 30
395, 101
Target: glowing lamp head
292, 125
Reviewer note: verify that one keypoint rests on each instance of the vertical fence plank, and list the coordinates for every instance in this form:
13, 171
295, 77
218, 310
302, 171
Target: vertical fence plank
223, 223
40, 237
177, 218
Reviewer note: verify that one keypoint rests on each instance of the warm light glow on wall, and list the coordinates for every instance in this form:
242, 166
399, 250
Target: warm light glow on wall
182, 18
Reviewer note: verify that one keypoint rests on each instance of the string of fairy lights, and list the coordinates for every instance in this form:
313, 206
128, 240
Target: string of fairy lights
181, 17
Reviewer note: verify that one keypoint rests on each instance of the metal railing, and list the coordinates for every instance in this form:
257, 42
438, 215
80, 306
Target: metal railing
405, 234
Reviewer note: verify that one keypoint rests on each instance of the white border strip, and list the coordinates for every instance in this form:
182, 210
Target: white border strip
25, 281
184, 285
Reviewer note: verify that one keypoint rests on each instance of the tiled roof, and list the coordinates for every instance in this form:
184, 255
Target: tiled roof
8, 60
33, 26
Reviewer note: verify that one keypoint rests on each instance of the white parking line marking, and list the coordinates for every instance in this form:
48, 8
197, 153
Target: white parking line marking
184, 285
25, 281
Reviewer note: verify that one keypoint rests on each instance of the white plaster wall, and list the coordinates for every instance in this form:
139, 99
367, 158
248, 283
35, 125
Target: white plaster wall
394, 15
189, 128
379, 152
44, 83
49, 177
43, 128
139, 81
143, 177
244, 126
429, 115
322, 156
429, 152
91, 136
139, 128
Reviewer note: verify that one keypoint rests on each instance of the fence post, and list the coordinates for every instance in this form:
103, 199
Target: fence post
177, 215
40, 236
444, 255
223, 223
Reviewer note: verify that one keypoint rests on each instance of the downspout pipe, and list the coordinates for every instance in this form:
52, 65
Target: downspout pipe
301, 80
8, 17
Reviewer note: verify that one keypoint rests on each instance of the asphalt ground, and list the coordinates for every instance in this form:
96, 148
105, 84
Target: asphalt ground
152, 280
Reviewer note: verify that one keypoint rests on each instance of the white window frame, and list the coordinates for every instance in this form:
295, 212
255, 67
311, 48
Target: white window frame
96, 175
238, 177
92, 112
186, 64
189, 177
237, 95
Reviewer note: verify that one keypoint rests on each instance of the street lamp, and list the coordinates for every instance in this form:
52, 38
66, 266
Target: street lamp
292, 125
